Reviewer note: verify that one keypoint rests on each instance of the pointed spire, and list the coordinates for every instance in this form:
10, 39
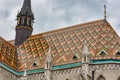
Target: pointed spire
26, 8
25, 20
105, 12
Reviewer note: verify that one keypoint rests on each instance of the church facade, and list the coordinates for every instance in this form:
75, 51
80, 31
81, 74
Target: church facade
88, 51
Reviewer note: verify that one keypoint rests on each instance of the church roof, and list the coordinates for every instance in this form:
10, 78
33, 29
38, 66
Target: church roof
8, 54
67, 43
66, 46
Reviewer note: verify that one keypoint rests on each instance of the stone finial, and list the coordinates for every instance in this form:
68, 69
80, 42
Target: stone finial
85, 48
49, 56
85, 53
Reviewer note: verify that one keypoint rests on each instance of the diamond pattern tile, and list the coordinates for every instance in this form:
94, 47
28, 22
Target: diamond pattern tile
67, 42
64, 43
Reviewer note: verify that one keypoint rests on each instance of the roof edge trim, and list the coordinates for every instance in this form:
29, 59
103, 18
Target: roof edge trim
58, 67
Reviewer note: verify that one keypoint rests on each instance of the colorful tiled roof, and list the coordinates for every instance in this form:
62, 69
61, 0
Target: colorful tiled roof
103, 43
8, 54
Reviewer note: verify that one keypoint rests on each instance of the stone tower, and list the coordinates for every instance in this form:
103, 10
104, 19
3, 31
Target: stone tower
25, 19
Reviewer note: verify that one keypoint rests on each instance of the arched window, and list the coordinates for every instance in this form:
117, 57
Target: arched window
100, 78
118, 78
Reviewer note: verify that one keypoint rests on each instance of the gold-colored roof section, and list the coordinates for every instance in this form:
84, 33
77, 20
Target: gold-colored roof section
67, 42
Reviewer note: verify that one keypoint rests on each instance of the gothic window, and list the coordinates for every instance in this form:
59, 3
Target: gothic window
100, 78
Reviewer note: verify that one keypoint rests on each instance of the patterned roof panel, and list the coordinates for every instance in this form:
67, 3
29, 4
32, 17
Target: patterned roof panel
67, 42
8, 54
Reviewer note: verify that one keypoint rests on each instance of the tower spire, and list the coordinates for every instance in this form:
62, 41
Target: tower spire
25, 19
105, 12
26, 8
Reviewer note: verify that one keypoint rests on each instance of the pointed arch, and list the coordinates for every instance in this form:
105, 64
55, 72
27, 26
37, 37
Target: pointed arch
118, 78
101, 78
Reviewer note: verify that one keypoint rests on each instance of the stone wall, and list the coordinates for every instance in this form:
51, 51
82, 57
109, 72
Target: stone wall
108, 71
39, 76
67, 74
6, 75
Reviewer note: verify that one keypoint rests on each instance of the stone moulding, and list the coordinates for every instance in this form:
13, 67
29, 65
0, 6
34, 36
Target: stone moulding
58, 67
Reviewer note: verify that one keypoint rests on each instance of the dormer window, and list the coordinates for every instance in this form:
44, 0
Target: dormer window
74, 57
118, 53
102, 53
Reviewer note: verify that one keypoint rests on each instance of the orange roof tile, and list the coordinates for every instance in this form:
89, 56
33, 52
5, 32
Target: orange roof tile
67, 42
8, 54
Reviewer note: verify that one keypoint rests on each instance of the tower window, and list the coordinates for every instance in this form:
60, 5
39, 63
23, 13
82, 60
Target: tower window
30, 23
25, 21
20, 21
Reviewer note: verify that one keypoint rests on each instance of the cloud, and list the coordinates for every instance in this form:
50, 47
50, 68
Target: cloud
54, 14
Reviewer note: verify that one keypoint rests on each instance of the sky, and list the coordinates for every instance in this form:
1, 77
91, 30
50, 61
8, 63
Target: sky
56, 14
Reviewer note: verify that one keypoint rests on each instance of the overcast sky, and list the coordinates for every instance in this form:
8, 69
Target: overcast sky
55, 14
